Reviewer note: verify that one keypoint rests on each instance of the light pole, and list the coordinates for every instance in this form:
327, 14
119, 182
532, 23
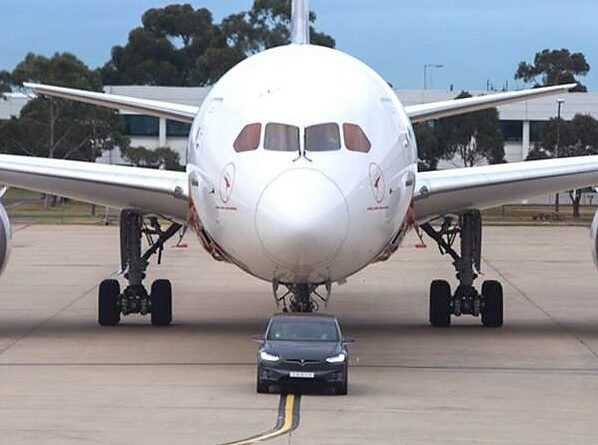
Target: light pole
560, 103
426, 66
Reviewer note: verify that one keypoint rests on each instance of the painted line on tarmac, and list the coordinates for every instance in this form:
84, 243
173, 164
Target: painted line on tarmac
289, 409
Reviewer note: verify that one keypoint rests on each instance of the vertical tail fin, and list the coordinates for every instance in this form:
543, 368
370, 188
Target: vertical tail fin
300, 22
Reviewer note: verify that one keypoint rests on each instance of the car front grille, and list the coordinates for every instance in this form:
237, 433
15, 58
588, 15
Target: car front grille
302, 362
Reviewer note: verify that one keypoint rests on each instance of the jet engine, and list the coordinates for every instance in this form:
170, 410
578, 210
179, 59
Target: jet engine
5, 236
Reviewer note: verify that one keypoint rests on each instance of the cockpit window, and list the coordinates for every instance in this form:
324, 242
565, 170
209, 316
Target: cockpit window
324, 137
356, 139
281, 137
249, 138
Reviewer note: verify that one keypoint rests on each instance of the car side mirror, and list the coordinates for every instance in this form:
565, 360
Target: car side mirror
348, 340
258, 338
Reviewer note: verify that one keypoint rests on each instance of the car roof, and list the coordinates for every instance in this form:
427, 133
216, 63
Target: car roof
304, 316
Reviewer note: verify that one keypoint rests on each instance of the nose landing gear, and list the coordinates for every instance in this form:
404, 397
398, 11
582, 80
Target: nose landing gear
466, 300
301, 298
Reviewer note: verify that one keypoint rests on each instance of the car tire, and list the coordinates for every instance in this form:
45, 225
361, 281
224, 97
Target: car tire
343, 388
262, 387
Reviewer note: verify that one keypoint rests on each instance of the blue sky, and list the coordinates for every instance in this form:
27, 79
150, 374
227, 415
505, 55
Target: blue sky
476, 40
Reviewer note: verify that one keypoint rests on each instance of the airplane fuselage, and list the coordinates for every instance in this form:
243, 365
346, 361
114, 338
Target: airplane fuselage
302, 166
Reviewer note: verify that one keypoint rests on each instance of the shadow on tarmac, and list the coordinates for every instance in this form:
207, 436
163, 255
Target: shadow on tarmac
18, 326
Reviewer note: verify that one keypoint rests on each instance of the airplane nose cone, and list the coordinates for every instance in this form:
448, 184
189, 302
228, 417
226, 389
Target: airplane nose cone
302, 219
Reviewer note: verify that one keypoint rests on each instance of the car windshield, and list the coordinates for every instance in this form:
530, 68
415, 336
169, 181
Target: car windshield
300, 330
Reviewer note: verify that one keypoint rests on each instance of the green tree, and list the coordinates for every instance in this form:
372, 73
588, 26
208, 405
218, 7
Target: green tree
56, 128
182, 46
162, 157
554, 67
563, 139
473, 137
5, 82
428, 146
165, 49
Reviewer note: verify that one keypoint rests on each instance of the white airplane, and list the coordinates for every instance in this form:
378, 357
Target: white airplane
302, 171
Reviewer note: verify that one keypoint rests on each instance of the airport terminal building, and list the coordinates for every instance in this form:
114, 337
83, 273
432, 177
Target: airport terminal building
521, 123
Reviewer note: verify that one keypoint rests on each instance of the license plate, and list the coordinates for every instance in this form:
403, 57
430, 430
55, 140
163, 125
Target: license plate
302, 375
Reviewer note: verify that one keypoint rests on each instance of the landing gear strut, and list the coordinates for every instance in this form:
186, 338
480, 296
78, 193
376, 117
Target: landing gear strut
466, 300
135, 299
303, 297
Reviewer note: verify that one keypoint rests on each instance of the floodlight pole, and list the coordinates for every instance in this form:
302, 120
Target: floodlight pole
426, 66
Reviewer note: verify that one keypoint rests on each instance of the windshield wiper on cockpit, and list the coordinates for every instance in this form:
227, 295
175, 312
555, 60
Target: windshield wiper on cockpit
302, 154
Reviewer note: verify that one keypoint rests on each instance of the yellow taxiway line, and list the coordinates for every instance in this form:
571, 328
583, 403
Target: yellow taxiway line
288, 420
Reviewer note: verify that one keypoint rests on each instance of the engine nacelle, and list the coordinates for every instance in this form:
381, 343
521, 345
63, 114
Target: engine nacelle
5, 238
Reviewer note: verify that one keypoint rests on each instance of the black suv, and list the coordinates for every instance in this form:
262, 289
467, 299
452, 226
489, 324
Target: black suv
303, 348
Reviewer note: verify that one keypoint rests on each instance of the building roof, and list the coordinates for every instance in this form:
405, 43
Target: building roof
534, 110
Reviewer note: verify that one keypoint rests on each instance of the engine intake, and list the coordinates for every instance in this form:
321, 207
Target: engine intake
5, 238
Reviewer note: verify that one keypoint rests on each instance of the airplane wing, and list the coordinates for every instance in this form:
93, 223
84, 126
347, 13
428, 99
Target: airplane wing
176, 112
438, 193
437, 110
153, 191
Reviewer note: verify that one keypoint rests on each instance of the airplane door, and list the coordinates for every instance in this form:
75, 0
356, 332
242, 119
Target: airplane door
402, 144
206, 125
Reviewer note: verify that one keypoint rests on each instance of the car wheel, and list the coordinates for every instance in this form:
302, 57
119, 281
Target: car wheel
262, 387
342, 388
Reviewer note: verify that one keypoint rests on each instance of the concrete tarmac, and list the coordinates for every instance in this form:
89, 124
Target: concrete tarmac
65, 380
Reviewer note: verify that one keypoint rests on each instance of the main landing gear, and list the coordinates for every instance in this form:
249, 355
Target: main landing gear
112, 303
466, 300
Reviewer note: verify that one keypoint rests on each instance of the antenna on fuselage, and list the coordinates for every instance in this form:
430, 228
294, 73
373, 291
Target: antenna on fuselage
300, 22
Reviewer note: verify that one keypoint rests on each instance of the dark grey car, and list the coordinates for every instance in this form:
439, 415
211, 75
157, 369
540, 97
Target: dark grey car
303, 348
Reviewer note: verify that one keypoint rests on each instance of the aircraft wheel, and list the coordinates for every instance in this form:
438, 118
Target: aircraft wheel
440, 304
492, 312
108, 307
161, 300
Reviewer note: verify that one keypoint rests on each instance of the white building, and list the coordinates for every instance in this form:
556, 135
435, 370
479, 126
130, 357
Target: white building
11, 104
521, 123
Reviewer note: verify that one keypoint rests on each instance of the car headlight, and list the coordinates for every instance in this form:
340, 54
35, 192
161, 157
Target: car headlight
268, 357
337, 358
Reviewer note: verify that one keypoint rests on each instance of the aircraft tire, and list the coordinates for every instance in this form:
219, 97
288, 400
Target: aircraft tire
161, 299
440, 304
492, 312
108, 307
